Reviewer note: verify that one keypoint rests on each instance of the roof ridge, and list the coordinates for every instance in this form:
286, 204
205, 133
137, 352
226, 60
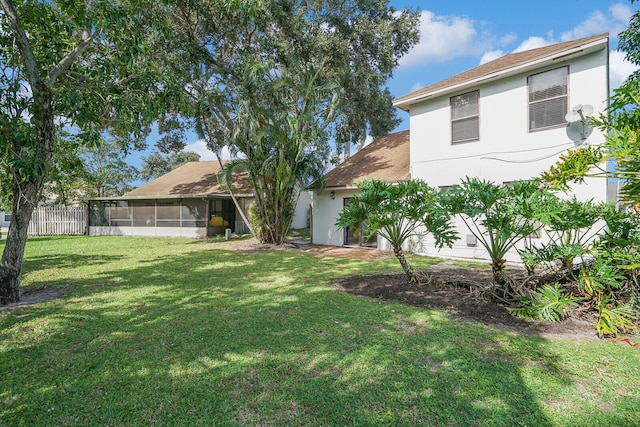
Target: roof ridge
505, 62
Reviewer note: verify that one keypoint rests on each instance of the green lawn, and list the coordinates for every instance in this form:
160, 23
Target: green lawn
179, 332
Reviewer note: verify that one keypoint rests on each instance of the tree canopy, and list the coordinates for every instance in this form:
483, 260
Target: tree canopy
86, 66
281, 82
156, 164
276, 77
82, 171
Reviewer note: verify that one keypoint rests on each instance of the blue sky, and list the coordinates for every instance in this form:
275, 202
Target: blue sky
457, 35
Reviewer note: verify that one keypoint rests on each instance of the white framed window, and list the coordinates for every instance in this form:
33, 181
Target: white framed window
548, 98
465, 118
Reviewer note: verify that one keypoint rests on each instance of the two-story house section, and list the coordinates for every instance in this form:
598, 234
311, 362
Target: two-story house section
505, 120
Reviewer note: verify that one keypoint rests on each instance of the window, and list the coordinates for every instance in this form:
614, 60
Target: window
548, 98
464, 117
193, 213
120, 213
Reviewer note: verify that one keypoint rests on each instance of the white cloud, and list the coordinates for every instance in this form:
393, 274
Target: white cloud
200, 147
533, 43
444, 38
597, 22
619, 68
491, 55
621, 12
416, 86
613, 21
507, 39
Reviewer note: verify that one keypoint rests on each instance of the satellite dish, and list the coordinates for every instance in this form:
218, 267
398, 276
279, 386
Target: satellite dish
579, 127
578, 132
579, 113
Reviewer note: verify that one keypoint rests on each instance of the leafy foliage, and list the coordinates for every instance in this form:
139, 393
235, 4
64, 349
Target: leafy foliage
84, 65
571, 230
398, 212
550, 303
280, 80
88, 171
156, 164
499, 216
612, 319
606, 274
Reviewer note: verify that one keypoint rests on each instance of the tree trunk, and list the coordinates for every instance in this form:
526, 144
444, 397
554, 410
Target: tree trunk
27, 187
497, 267
11, 264
411, 274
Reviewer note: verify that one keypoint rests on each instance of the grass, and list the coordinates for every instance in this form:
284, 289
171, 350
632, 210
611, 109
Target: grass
296, 233
190, 332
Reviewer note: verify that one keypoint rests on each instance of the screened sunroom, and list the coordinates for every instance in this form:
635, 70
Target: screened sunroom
182, 217
186, 202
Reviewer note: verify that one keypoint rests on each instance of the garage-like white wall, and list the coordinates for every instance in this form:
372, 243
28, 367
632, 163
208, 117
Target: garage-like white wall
301, 215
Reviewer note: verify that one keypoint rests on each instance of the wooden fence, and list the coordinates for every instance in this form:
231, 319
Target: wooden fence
58, 221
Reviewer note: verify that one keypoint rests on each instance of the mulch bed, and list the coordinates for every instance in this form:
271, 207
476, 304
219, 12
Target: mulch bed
446, 286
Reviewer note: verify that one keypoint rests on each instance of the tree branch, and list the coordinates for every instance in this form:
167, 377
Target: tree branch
66, 62
28, 57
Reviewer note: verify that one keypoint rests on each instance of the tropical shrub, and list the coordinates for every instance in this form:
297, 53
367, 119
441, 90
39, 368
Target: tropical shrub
398, 212
550, 303
499, 216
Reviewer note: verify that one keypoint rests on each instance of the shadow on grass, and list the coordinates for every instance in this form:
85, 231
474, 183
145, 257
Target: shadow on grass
222, 337
66, 261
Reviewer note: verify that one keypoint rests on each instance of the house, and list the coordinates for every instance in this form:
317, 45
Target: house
186, 202
502, 121
386, 159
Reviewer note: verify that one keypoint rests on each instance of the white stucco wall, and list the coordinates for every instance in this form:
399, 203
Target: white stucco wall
325, 214
506, 150
301, 215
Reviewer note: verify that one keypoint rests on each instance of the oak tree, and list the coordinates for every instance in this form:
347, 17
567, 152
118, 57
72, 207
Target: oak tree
282, 81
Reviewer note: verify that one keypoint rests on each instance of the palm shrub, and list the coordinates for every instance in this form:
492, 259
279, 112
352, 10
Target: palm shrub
612, 279
398, 212
550, 303
607, 276
613, 318
281, 134
571, 231
499, 216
